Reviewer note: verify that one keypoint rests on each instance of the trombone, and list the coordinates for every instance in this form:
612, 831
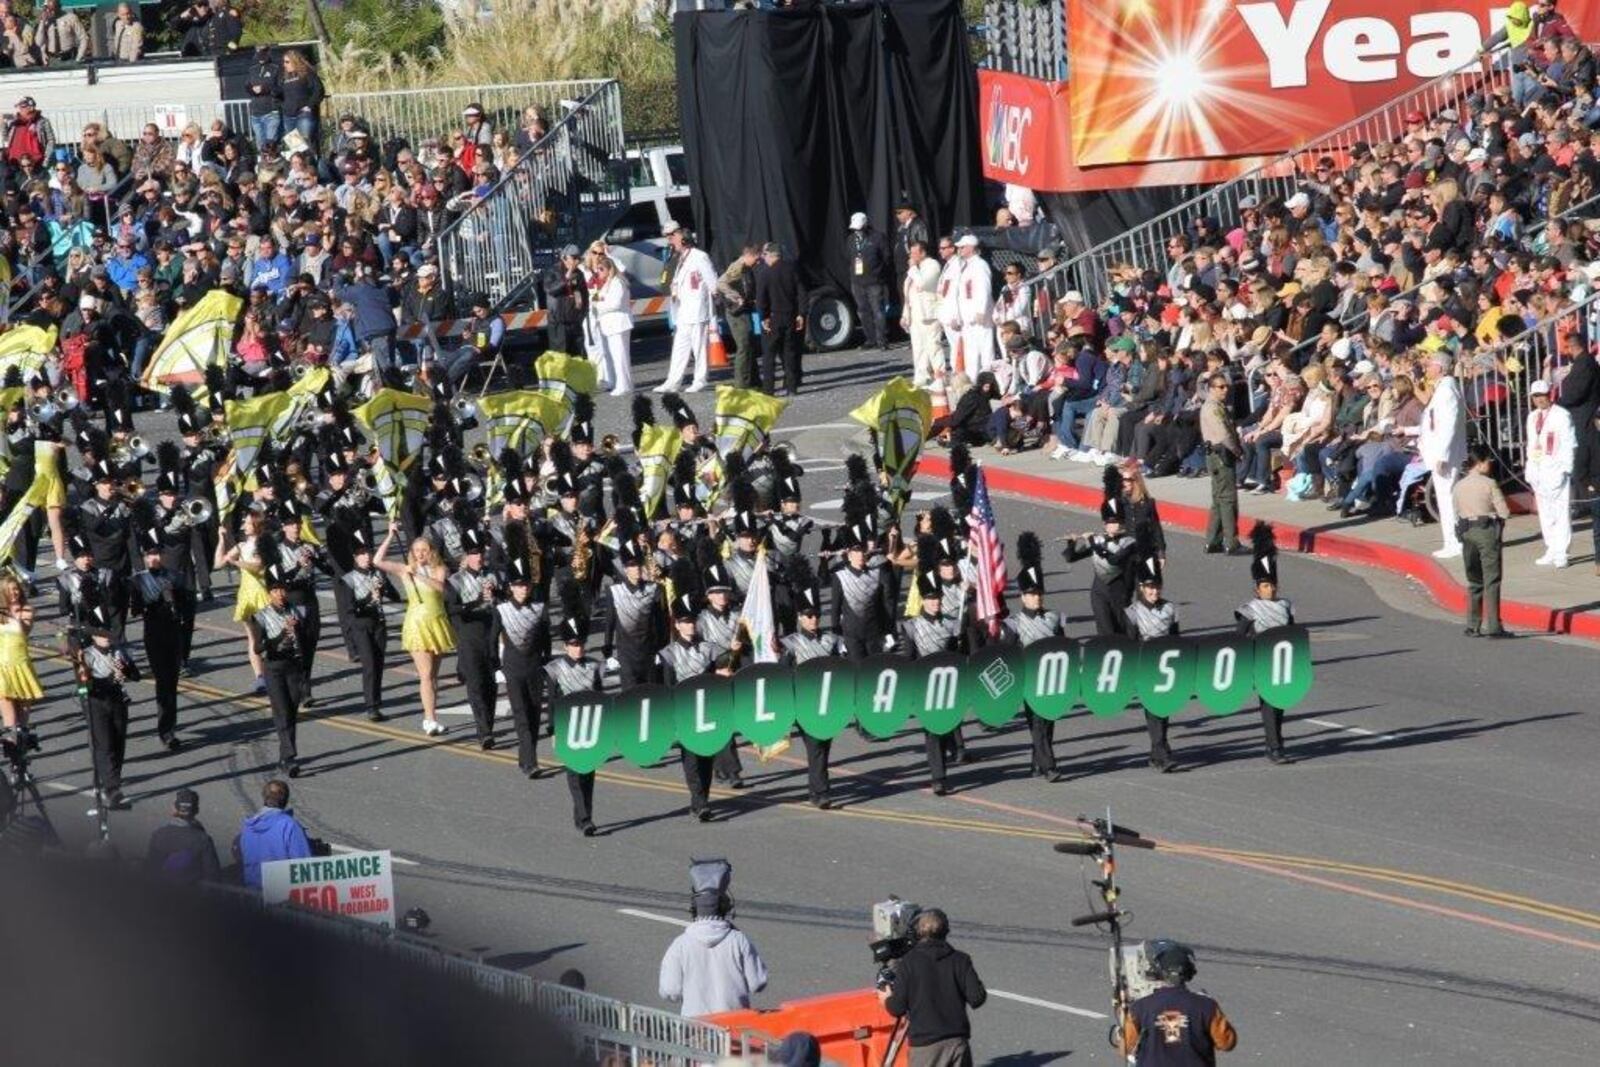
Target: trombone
132, 450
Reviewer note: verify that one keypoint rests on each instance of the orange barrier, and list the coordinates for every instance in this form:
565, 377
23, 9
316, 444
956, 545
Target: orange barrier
939, 399
852, 1028
716, 350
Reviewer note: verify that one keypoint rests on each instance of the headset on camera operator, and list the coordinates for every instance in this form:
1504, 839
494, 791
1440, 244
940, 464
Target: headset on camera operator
712, 966
1174, 1026
933, 986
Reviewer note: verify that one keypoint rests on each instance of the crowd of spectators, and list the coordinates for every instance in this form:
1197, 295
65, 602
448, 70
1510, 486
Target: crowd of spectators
329, 236
1325, 307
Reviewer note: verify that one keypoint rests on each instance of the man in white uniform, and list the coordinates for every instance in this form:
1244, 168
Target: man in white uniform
949, 317
1551, 446
1442, 444
974, 299
919, 316
693, 284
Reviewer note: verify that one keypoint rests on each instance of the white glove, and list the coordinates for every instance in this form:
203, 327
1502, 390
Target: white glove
888, 643
612, 665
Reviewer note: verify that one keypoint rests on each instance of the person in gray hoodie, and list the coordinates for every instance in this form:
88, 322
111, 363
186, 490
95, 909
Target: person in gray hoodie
712, 966
270, 834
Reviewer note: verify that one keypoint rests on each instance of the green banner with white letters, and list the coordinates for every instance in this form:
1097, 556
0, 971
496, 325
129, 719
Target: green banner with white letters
889, 694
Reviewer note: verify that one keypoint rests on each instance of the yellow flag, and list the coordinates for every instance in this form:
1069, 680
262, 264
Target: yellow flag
744, 417
900, 413
25, 347
398, 422
562, 378
521, 420
198, 338
658, 448
254, 422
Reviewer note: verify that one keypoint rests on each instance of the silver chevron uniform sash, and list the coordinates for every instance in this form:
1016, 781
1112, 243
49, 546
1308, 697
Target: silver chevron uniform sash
689, 661
571, 676
1030, 627
804, 647
366, 591
743, 569
929, 636
1152, 622
1105, 568
718, 629
860, 589
634, 606
787, 532
1266, 614
520, 624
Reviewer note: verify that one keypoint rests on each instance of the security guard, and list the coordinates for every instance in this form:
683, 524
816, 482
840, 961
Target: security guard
1223, 451
155, 600
636, 625
524, 647
1174, 1026
1151, 616
278, 628
1481, 515
687, 656
1266, 611
570, 673
1112, 555
1032, 624
469, 598
366, 589
930, 634
106, 667
810, 641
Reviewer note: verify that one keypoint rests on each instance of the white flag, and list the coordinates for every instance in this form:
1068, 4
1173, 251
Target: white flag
756, 615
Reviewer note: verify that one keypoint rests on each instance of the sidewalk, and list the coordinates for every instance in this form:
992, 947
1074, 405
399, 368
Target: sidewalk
1532, 598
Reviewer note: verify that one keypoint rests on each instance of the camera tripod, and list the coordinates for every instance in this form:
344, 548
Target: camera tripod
18, 791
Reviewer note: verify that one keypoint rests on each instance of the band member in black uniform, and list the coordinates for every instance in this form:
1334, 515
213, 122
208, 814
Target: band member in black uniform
278, 626
1112, 555
744, 559
929, 634
563, 532
573, 672
810, 641
1266, 611
687, 656
83, 585
106, 667
345, 507
469, 597
636, 625
587, 470
107, 521
300, 561
1151, 617
524, 629
173, 523
155, 600
1032, 624
446, 520
199, 477
719, 623
862, 609
366, 628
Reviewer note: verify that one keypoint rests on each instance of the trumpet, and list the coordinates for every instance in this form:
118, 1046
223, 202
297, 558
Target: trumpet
463, 409
608, 446
132, 489
474, 486
65, 398
367, 480
132, 450
480, 456
196, 511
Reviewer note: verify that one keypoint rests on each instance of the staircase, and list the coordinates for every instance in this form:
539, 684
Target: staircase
569, 188
1144, 246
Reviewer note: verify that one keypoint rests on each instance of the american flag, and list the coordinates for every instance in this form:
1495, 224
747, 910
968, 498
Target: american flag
989, 554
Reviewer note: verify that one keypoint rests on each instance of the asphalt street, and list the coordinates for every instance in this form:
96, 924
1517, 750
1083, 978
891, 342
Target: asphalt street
1418, 888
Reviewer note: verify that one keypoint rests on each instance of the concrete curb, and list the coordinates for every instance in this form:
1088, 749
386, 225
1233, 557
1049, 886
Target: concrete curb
1441, 585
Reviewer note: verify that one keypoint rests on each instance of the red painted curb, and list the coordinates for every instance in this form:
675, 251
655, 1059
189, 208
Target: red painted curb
1445, 590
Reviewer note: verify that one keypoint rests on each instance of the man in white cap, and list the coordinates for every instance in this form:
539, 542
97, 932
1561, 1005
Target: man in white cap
1551, 446
694, 281
869, 266
1442, 443
970, 310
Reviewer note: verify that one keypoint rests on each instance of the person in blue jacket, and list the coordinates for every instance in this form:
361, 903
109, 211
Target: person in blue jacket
271, 269
270, 834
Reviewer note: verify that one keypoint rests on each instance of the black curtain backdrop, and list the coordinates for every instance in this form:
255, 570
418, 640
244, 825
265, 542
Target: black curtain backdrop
795, 118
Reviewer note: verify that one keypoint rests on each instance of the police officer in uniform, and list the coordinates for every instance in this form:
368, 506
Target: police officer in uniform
1174, 1026
929, 634
1221, 443
278, 628
366, 589
1112, 555
1481, 515
861, 605
469, 598
1032, 624
570, 673
636, 626
524, 648
810, 641
155, 599
1151, 616
687, 656
107, 522
106, 666
1266, 611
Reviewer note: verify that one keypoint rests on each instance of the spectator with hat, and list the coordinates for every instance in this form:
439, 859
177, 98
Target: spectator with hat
29, 134
180, 850
1548, 469
869, 267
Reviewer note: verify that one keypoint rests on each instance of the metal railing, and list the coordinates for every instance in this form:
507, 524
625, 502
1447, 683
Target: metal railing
418, 115
126, 120
1144, 246
567, 189
1027, 38
1495, 380
607, 1030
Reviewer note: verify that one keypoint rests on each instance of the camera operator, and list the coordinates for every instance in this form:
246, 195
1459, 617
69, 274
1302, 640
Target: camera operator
933, 987
1175, 1027
712, 966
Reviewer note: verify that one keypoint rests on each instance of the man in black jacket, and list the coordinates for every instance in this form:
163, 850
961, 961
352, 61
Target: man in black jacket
869, 265
1580, 395
567, 300
781, 300
933, 987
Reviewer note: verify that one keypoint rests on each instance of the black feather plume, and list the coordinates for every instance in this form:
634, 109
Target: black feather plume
572, 600
583, 408
685, 576
855, 469
960, 459
217, 387
517, 543
561, 456
942, 523
510, 462
182, 400
927, 553
13, 379
683, 468
1263, 539
624, 492
1112, 479
1029, 552
168, 457
644, 414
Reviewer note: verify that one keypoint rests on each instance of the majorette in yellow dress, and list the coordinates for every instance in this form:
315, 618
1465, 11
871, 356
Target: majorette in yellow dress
252, 590
427, 626
47, 490
17, 680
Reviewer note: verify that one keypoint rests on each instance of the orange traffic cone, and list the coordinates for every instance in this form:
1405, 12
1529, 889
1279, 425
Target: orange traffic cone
716, 351
957, 360
940, 401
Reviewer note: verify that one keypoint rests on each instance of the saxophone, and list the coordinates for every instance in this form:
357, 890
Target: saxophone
582, 553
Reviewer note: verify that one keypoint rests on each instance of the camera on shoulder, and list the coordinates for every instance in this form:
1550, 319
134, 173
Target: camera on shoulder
894, 933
